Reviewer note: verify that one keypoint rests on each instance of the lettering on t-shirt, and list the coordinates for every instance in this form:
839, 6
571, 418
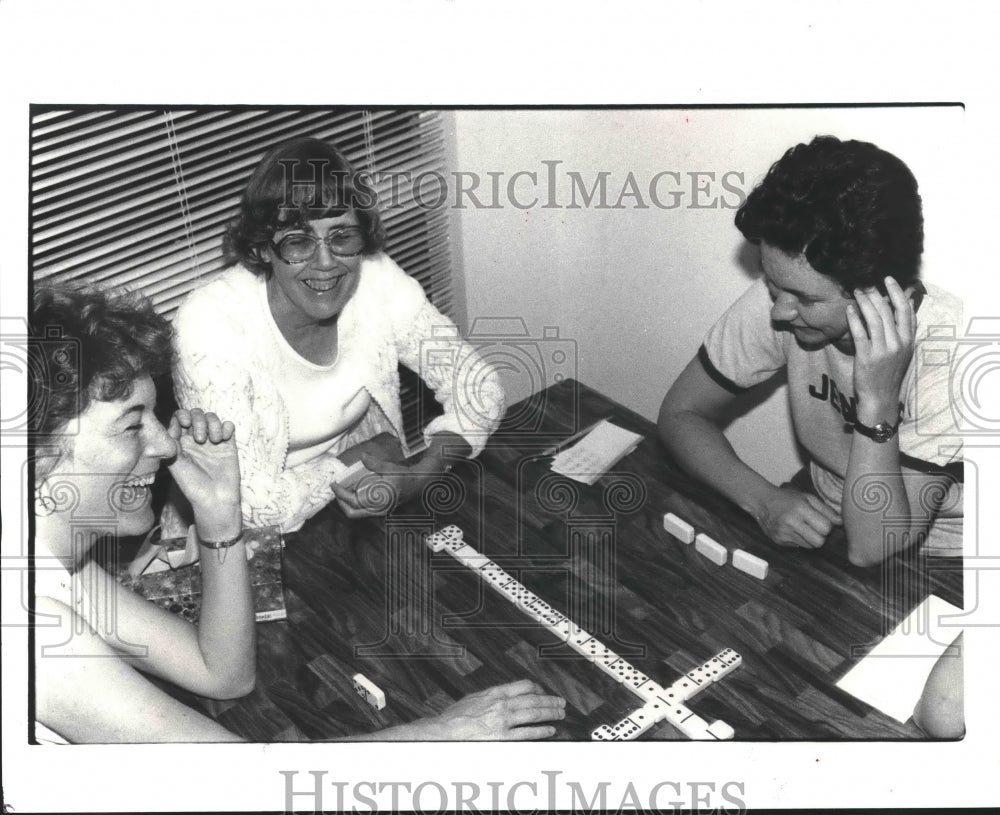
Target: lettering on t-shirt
829, 392
848, 407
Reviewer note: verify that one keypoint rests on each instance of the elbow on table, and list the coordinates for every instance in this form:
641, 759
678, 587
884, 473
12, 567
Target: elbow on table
863, 559
235, 686
867, 553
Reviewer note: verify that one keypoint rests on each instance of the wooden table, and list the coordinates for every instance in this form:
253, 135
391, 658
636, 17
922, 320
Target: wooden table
368, 596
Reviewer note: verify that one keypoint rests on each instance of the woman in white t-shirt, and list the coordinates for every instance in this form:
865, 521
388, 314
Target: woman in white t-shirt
299, 342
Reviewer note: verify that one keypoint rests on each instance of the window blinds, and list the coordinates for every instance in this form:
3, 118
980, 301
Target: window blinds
140, 197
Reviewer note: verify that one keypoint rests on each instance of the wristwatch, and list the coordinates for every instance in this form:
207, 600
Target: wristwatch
879, 434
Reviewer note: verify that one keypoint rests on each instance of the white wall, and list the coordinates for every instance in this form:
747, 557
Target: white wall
637, 288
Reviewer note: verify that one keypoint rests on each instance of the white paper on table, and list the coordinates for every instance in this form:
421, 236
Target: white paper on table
892, 676
596, 453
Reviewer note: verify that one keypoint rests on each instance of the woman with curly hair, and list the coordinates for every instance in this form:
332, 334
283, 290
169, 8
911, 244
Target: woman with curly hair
99, 446
300, 340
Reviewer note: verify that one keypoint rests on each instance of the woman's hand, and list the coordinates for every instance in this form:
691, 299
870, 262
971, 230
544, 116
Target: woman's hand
883, 345
383, 447
387, 485
793, 518
207, 470
510, 712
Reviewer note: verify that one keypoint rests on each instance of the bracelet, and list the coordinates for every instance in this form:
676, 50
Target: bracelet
224, 544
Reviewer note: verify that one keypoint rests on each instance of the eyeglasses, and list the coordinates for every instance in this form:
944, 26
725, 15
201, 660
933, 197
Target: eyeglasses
301, 248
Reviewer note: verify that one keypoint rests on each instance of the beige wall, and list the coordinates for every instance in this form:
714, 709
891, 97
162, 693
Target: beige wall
637, 288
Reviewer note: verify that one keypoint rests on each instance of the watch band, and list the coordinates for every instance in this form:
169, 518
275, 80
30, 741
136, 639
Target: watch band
880, 433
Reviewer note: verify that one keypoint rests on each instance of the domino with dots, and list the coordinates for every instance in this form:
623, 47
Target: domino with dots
660, 704
723, 663
632, 726
680, 529
751, 564
369, 691
715, 552
451, 538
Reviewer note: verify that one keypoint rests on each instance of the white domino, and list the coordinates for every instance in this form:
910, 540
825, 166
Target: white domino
730, 657
687, 686
721, 731
681, 530
352, 475
695, 727
450, 538
660, 704
369, 691
715, 552
723, 663
632, 726
751, 564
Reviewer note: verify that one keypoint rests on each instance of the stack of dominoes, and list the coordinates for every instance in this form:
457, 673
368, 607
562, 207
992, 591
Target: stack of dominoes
660, 703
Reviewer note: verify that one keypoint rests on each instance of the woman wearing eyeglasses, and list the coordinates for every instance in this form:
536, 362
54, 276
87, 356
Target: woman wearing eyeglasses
299, 341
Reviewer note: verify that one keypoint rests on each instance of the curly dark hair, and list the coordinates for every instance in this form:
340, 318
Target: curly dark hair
85, 344
850, 207
300, 180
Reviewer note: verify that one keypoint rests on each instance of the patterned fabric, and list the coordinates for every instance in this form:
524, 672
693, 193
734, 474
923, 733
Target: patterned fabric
226, 362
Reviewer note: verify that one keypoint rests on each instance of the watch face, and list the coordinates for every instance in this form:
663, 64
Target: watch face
883, 431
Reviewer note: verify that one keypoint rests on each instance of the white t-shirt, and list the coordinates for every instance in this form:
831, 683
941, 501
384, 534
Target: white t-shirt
324, 401
743, 349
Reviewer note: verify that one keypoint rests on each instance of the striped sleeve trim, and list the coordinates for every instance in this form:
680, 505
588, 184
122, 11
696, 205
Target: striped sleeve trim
716, 375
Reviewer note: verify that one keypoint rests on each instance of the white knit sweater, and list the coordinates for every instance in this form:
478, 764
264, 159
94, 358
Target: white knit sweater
226, 363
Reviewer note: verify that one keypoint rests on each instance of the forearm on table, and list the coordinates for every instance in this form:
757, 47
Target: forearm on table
420, 730
873, 472
703, 450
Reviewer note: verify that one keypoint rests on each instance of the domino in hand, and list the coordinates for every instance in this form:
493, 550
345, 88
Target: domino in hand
352, 475
369, 691
681, 530
715, 552
751, 564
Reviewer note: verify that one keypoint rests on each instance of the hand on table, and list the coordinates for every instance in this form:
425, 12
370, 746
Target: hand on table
790, 517
510, 712
883, 343
206, 467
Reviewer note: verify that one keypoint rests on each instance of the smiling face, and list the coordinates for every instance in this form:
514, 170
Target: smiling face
808, 303
316, 291
111, 460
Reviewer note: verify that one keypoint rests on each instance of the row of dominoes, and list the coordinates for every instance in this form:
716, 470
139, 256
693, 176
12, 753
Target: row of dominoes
714, 551
451, 540
660, 703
